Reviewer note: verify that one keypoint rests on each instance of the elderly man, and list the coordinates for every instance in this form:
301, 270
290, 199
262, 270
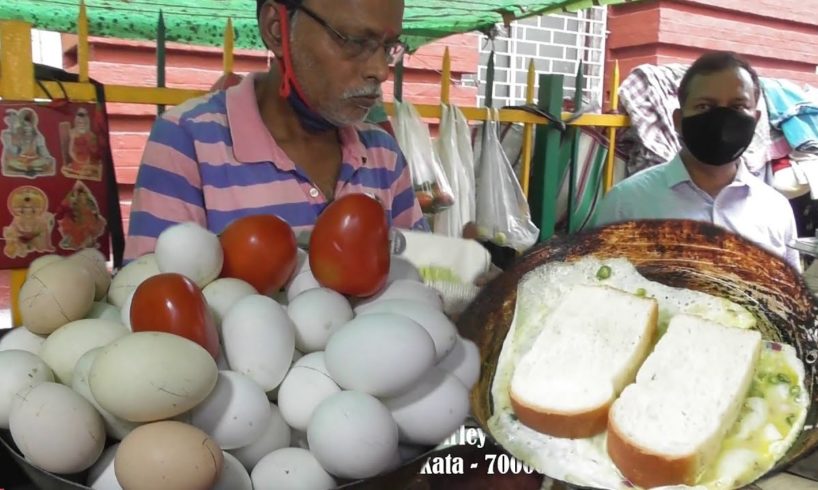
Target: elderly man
284, 142
708, 181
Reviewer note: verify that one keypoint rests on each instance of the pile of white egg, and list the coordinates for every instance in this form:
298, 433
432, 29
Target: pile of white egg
310, 391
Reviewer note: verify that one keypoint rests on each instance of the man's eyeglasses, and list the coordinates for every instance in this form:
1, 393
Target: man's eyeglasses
356, 47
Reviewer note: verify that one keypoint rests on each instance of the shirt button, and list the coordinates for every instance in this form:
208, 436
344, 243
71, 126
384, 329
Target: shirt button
314, 192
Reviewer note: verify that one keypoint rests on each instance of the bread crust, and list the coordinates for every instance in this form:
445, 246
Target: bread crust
576, 425
646, 469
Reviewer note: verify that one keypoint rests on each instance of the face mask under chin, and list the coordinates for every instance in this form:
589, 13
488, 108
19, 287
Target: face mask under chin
310, 119
719, 136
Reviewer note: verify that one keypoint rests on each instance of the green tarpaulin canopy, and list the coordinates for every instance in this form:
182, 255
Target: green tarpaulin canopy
202, 22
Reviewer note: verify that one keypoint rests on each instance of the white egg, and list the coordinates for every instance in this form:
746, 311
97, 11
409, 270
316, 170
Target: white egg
300, 283
381, 354
259, 340
401, 269
43, 261
125, 312
439, 327
56, 429
353, 435
191, 250
408, 290
293, 469
234, 476
105, 311
130, 277
317, 314
63, 348
223, 293
463, 361
22, 338
101, 476
433, 409
115, 427
19, 370
307, 385
59, 293
174, 375
275, 436
95, 263
236, 412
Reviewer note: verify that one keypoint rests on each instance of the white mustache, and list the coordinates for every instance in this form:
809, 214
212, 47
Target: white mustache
363, 92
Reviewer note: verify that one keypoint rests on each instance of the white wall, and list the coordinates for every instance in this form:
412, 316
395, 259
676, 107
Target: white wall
46, 47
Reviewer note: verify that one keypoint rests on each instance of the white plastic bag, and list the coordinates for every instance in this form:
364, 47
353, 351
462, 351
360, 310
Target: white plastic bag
432, 188
503, 215
454, 149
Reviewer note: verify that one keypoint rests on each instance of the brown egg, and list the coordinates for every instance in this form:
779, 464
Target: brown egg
95, 263
168, 454
57, 294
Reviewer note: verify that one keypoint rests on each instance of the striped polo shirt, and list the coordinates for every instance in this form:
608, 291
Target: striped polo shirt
212, 160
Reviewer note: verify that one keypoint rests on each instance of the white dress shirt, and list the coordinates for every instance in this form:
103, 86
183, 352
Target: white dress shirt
748, 206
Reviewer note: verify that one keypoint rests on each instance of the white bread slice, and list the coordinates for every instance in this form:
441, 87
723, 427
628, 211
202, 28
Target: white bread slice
589, 349
666, 428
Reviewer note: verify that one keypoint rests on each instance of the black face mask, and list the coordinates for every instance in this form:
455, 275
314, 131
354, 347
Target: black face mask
718, 136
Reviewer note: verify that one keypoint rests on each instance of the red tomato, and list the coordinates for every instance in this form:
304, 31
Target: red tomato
174, 304
261, 250
349, 246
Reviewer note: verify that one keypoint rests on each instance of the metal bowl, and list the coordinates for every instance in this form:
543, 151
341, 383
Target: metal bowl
678, 253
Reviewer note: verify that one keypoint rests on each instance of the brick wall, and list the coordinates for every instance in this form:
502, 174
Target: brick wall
556, 43
779, 39
116, 61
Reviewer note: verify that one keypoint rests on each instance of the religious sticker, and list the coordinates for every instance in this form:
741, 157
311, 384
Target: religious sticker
54, 160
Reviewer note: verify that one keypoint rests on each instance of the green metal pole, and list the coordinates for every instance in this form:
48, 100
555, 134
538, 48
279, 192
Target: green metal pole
545, 175
160, 57
573, 134
398, 90
490, 80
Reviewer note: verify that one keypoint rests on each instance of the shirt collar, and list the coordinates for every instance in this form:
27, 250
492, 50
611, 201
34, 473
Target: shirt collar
253, 143
676, 173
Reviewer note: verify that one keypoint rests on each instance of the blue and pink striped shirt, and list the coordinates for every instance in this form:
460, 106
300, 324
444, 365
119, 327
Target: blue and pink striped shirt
212, 160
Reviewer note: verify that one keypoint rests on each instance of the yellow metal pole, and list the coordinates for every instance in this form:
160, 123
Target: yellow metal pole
610, 162
227, 57
528, 128
16, 62
445, 77
16, 83
82, 43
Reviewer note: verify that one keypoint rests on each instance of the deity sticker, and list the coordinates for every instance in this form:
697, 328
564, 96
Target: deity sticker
24, 151
31, 224
79, 220
80, 148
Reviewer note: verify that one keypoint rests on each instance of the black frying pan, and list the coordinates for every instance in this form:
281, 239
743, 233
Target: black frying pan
677, 253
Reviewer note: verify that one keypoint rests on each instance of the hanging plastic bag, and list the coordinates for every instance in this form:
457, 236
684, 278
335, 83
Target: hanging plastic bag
457, 158
431, 185
503, 215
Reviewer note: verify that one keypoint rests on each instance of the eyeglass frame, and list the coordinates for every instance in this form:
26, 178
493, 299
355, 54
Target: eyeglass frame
366, 45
